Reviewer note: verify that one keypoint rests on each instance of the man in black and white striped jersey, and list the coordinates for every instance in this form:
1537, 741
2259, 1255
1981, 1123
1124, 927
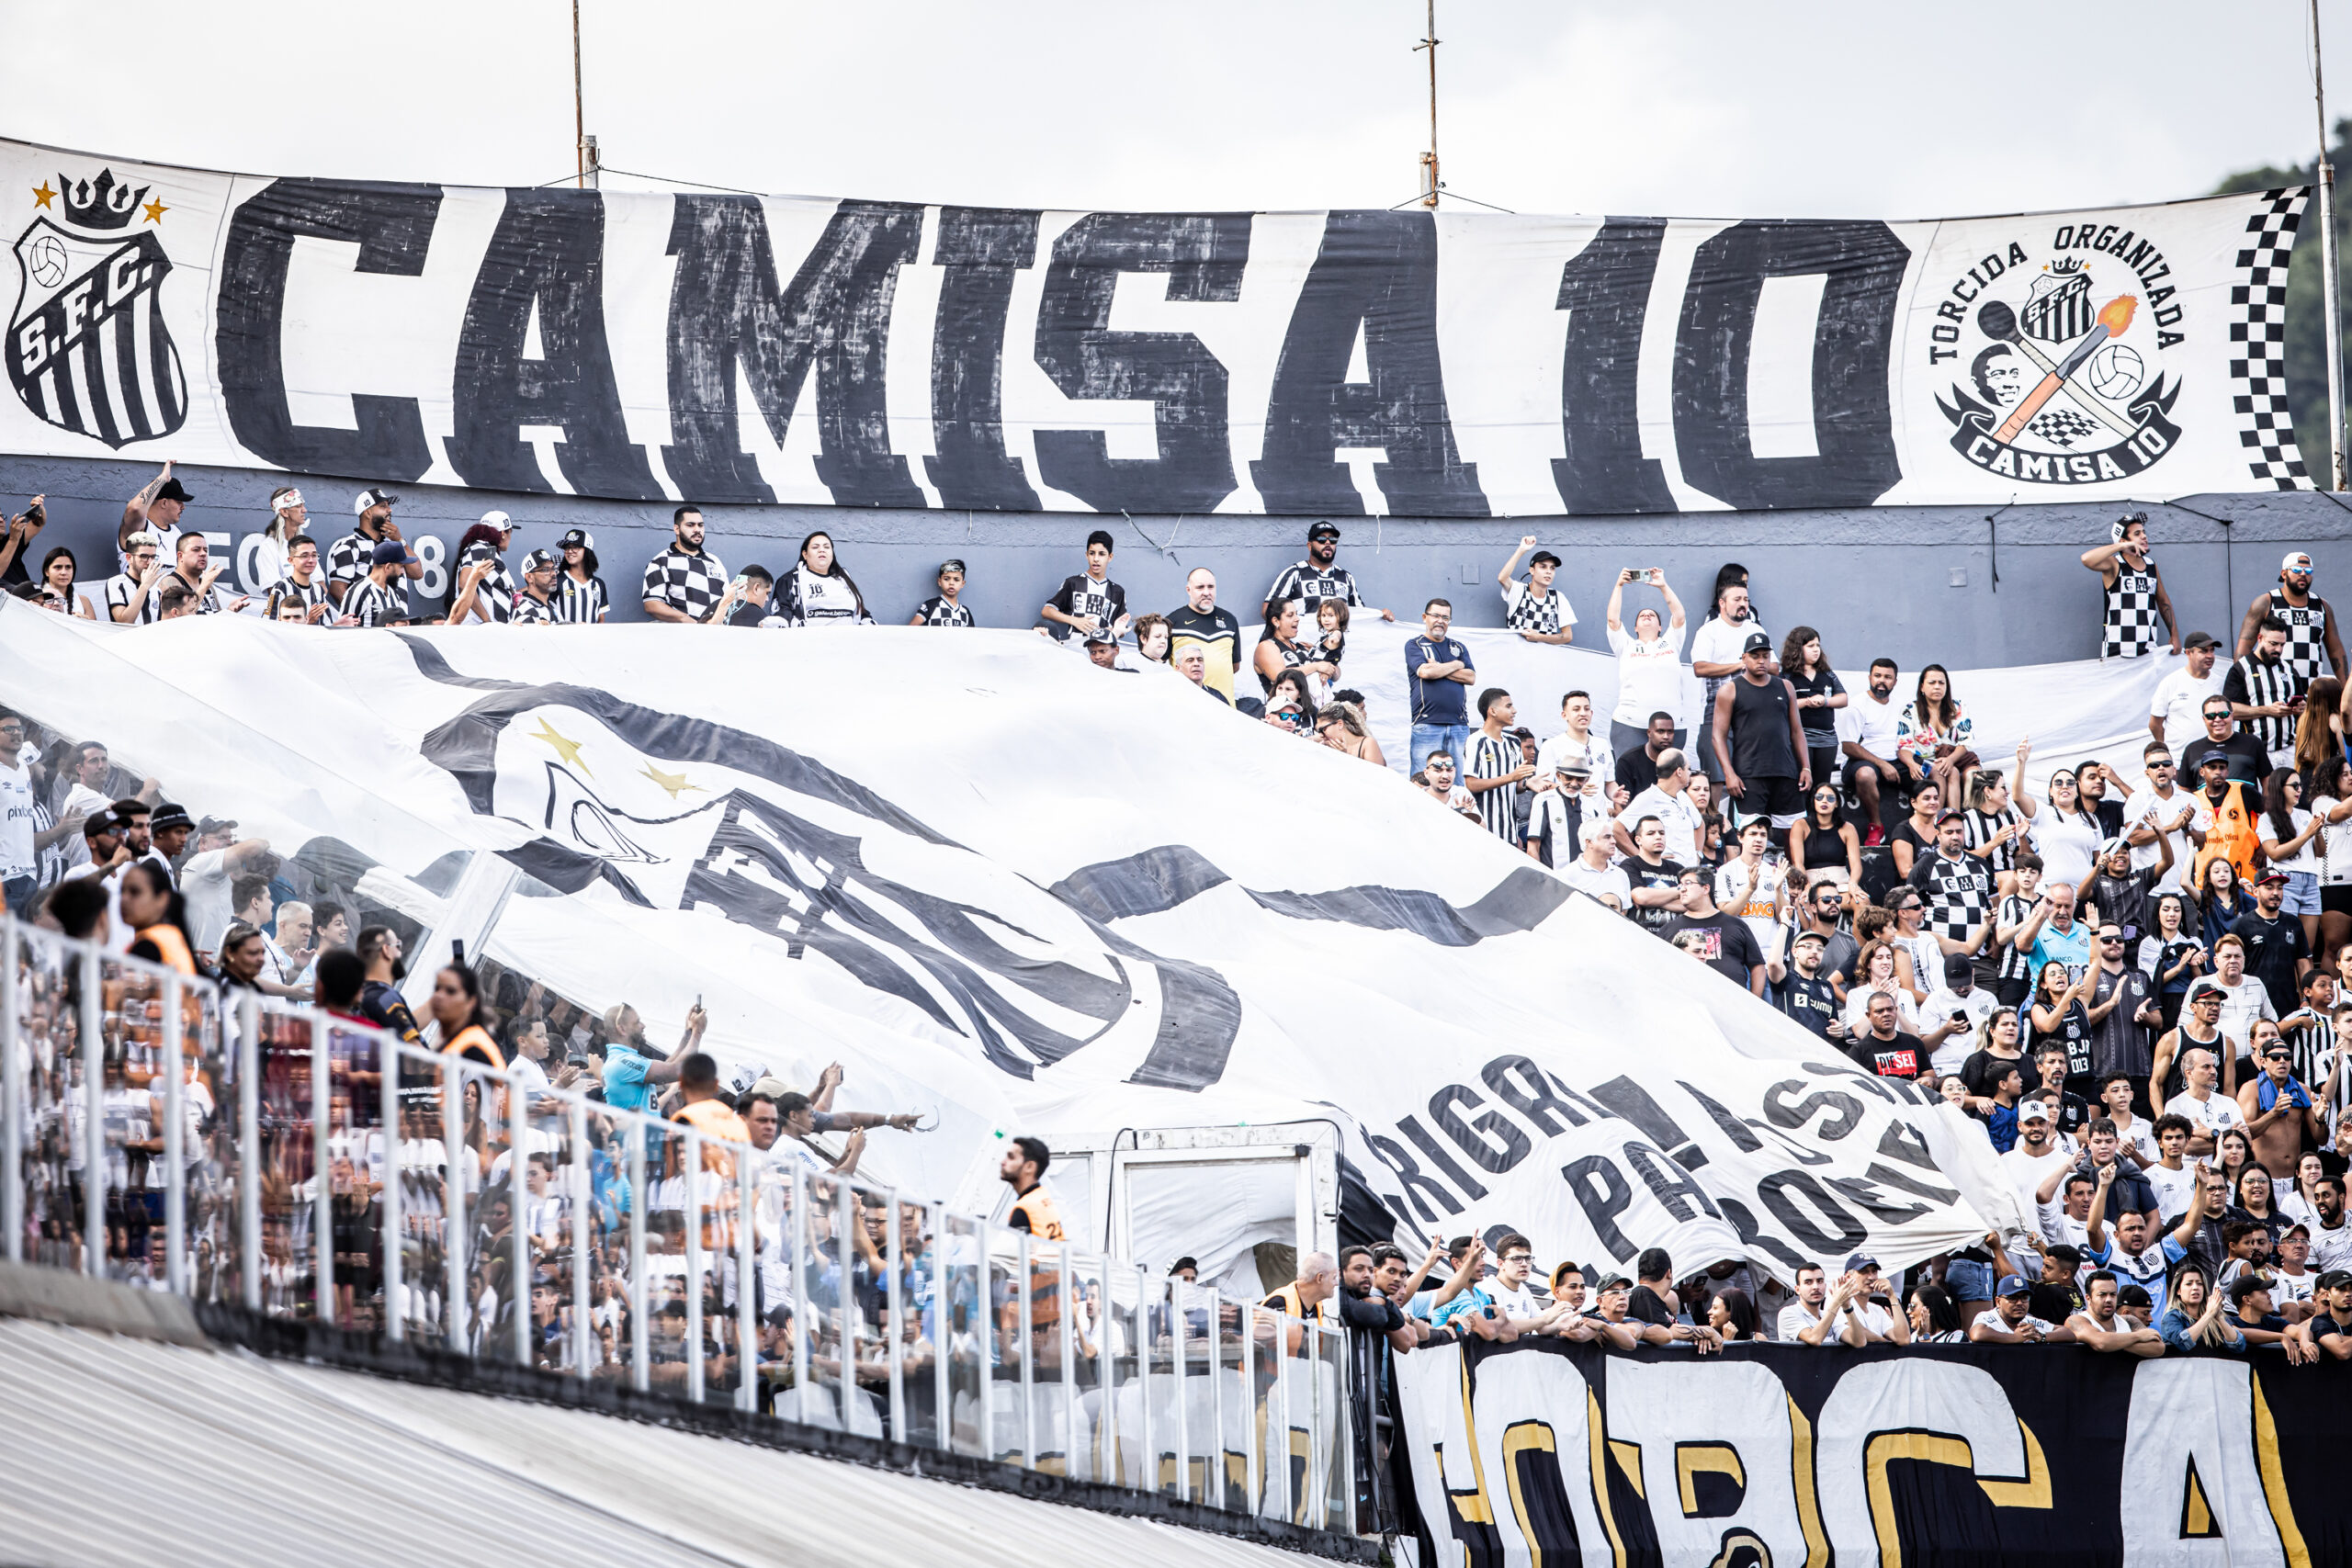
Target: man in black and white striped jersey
351, 559
535, 600
377, 601
2266, 691
1496, 767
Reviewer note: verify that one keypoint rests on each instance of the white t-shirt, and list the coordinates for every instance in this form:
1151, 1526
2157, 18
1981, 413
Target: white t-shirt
1609, 882
2305, 859
2330, 1248
1731, 881
17, 856
2140, 1139
1874, 723
2066, 844
2144, 802
1943, 1002
1592, 748
1675, 814
205, 881
2178, 700
2026, 1173
1649, 677
2172, 1187
2335, 866
2244, 1005
1795, 1318
1719, 641
1874, 1319
1991, 1318
2217, 1113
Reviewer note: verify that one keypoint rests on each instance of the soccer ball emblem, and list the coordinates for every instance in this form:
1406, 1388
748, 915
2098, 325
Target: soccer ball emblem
2116, 372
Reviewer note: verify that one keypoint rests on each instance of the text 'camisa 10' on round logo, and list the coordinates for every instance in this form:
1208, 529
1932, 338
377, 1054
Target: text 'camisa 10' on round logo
2058, 359
87, 348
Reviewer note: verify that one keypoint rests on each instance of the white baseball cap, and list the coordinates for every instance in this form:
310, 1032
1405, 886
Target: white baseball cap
498, 520
2296, 561
367, 498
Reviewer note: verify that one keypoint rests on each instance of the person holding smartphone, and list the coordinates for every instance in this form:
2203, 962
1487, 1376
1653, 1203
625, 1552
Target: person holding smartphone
1649, 663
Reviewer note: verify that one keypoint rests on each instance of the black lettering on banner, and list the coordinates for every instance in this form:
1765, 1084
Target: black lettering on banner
1519, 1083
1853, 422
1682, 1197
1577, 1098
1853, 1077
1606, 288
393, 226
1414, 1181
1781, 1114
1748, 1135
1375, 275
1752, 1236
1632, 1101
1539, 1496
1412, 1129
546, 258
1600, 1188
1204, 254
1473, 1139
1887, 1176
1902, 1141
726, 311
978, 250
1887, 1211
1470, 1514
1780, 1193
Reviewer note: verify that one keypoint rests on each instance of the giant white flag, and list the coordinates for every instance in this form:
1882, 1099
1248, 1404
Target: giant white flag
1026, 894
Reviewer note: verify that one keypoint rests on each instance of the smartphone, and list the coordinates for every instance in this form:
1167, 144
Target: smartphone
1654, 577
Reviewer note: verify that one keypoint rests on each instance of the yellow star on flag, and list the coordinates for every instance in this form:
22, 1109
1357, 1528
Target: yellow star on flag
675, 783
42, 195
568, 749
154, 211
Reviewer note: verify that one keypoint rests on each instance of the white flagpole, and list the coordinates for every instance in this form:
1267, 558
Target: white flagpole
2333, 291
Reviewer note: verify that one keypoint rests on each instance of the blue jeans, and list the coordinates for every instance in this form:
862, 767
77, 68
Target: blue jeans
2302, 893
1452, 738
1968, 1281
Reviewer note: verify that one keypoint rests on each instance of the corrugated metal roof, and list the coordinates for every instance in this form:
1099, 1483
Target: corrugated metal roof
119, 1452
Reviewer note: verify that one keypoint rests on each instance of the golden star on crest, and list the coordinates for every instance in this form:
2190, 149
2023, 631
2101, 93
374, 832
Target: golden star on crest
154, 211
42, 195
675, 783
568, 749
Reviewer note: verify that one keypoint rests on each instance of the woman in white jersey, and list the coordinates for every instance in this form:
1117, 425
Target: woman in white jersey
1649, 664
2068, 835
2331, 804
817, 591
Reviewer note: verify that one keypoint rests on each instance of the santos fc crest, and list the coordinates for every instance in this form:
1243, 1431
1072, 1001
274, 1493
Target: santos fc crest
87, 348
2057, 382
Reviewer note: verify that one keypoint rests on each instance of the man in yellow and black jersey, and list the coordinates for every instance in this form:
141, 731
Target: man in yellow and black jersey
1024, 1169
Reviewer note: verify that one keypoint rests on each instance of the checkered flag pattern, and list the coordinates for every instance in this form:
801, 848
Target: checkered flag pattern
691, 584
495, 593
2258, 342
2062, 427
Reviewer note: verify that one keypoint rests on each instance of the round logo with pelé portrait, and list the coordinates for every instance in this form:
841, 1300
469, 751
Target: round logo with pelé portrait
2055, 363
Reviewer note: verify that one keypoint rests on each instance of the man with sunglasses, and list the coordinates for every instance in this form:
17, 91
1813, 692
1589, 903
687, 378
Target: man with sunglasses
2123, 1010
2280, 1112
1823, 914
2160, 808
2248, 758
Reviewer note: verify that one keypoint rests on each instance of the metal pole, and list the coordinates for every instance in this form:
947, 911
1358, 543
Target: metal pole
394, 1237
518, 1209
1250, 1441
1028, 1360
893, 1259
1065, 1345
583, 1191
640, 1371
798, 1233
844, 1299
2335, 282
456, 1281
689, 1167
747, 1316
1429, 160
1212, 1473
249, 1152
1184, 1414
322, 1173
579, 115
941, 1397
12, 1113
94, 1119
1142, 1328
175, 1141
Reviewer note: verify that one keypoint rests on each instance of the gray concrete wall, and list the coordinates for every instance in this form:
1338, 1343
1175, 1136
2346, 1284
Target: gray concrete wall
1915, 583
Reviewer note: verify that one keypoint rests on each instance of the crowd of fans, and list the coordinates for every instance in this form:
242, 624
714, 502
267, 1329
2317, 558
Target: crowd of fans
2131, 989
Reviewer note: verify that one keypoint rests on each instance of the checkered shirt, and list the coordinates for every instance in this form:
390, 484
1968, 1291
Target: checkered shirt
2130, 630
530, 612
496, 592
1526, 610
1957, 895
347, 558
690, 582
938, 612
2306, 652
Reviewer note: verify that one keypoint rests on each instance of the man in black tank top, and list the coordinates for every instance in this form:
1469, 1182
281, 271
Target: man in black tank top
1760, 740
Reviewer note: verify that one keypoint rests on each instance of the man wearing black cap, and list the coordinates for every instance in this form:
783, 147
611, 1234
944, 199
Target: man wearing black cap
1759, 740
2173, 710
535, 600
167, 835
1316, 579
375, 602
2277, 951
156, 509
2302, 615
945, 608
1534, 609
351, 560
580, 596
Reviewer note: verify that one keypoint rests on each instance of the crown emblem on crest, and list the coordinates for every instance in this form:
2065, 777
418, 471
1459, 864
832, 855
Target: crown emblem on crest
2065, 266
101, 203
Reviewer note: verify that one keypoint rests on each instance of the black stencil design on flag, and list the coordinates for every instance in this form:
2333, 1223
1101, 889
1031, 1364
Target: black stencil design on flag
1203, 255
546, 259
1375, 274
1606, 289
978, 250
1852, 421
88, 347
393, 226
725, 314
2062, 427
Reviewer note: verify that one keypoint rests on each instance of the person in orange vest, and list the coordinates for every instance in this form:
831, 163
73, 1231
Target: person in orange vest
153, 909
1024, 1169
456, 1005
712, 1117
2234, 832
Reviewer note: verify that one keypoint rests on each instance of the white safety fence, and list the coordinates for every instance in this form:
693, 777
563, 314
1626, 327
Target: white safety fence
242, 1158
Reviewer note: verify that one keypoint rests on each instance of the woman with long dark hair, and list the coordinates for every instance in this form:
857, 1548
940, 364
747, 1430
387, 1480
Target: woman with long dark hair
1819, 697
1934, 1319
155, 910
2061, 1012
1822, 840
1278, 647
480, 589
58, 588
2331, 800
1732, 1315
2068, 835
2221, 899
2292, 842
2319, 733
456, 1006
1932, 735
2172, 956
819, 592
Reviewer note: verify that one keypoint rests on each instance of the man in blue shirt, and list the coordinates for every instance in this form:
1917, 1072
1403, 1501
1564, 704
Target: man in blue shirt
1437, 674
632, 1065
2052, 932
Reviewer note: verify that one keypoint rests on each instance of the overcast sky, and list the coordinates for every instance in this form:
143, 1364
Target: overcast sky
1698, 109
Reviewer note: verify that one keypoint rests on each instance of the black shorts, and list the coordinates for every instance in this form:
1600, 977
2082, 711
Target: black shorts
1778, 798
2335, 898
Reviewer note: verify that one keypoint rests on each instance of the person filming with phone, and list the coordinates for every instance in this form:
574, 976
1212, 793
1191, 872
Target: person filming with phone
1649, 663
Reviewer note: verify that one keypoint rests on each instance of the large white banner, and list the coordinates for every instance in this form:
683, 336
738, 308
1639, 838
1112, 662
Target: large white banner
725, 349
1024, 894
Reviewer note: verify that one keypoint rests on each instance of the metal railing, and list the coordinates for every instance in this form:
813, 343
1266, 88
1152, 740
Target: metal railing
253, 1152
